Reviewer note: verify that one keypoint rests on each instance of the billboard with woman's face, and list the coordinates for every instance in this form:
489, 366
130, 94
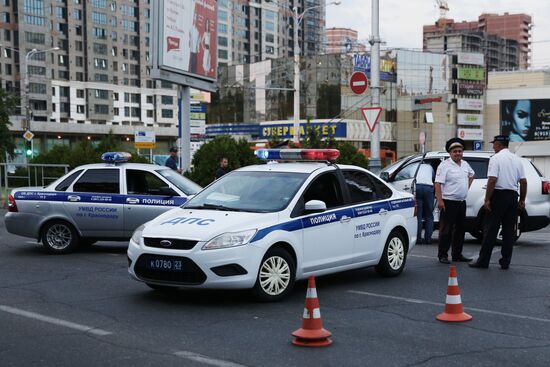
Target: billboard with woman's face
525, 119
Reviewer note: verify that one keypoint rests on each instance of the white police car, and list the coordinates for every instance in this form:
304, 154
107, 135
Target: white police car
104, 201
265, 226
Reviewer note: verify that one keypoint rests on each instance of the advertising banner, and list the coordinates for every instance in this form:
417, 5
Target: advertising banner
425, 102
284, 131
470, 89
469, 119
388, 66
469, 104
470, 58
469, 134
525, 119
471, 73
188, 37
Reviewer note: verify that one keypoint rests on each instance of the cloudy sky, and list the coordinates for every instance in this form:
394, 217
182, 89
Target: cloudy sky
401, 21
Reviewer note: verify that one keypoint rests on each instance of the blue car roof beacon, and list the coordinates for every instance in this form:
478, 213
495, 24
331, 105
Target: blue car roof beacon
116, 157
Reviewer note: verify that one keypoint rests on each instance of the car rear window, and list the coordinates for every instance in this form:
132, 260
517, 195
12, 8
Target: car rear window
479, 166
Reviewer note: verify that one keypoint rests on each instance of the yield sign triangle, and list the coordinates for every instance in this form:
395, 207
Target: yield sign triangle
371, 115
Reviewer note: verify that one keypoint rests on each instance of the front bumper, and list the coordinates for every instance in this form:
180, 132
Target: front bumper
23, 224
201, 268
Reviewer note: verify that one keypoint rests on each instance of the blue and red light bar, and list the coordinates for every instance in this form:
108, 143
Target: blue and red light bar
116, 157
298, 154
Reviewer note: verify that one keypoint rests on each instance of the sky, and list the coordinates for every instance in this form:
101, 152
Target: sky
401, 21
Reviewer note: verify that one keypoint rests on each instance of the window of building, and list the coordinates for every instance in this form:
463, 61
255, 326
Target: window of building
80, 93
150, 113
167, 113
167, 100
37, 88
78, 45
36, 38
222, 28
149, 99
100, 48
99, 4
36, 70
101, 94
101, 77
100, 33
77, 14
79, 108
269, 37
222, 41
222, 54
100, 64
102, 109
222, 15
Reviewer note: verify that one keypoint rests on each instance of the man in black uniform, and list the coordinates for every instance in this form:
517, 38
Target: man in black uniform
222, 169
501, 203
172, 161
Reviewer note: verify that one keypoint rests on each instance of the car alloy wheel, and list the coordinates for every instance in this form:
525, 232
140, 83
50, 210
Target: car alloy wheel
59, 237
394, 255
275, 276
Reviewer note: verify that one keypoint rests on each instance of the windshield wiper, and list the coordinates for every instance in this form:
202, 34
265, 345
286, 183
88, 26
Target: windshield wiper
214, 206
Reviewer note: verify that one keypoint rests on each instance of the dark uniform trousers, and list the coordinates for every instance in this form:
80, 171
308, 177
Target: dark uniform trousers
504, 209
451, 228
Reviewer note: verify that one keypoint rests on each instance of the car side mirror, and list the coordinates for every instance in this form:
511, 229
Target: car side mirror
167, 191
315, 206
385, 176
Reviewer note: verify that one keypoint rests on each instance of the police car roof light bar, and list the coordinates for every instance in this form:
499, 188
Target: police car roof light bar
116, 157
298, 154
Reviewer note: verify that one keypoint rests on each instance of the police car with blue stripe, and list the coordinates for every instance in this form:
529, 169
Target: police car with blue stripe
265, 226
104, 201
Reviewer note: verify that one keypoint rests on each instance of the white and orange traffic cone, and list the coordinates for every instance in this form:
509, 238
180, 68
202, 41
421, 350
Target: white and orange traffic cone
312, 334
453, 304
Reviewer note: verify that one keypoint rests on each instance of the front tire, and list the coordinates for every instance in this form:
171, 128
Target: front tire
394, 256
59, 237
276, 276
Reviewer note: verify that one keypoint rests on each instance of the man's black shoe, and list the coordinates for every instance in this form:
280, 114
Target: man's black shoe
462, 258
444, 260
504, 267
478, 265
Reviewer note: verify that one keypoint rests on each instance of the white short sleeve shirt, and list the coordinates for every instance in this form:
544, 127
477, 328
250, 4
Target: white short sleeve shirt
454, 179
425, 175
507, 168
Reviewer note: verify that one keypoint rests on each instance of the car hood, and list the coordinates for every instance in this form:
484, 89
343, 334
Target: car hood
205, 224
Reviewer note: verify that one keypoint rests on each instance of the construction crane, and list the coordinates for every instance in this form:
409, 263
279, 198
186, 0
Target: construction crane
443, 9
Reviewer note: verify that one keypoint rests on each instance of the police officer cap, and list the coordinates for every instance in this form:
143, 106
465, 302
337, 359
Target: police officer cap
174, 149
453, 143
501, 138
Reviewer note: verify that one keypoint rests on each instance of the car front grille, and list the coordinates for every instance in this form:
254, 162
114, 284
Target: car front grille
169, 243
190, 273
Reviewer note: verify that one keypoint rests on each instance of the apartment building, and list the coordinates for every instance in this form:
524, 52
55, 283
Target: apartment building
342, 40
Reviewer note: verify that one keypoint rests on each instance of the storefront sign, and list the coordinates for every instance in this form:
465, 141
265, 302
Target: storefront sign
284, 131
469, 119
471, 73
469, 104
470, 89
471, 58
469, 134
425, 102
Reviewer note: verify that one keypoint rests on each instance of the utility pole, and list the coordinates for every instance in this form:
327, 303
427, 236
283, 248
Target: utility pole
374, 161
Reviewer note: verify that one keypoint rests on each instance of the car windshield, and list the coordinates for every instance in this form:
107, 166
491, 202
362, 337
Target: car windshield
247, 191
392, 167
187, 186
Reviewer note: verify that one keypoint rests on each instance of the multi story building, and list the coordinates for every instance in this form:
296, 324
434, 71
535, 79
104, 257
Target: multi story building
342, 40
256, 30
504, 39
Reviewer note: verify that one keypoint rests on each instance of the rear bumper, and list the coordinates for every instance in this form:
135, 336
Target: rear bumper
23, 224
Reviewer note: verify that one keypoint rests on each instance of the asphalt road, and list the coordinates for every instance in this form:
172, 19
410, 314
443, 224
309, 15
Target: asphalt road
83, 309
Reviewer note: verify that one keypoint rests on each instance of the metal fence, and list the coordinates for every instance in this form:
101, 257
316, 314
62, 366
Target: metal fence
14, 175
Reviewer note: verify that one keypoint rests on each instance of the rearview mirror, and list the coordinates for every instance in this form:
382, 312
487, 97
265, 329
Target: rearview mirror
385, 176
315, 206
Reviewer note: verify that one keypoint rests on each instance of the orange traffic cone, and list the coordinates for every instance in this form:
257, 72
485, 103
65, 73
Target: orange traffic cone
453, 304
312, 334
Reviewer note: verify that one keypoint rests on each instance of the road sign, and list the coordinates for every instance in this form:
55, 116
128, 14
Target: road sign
478, 145
371, 116
28, 135
358, 82
144, 140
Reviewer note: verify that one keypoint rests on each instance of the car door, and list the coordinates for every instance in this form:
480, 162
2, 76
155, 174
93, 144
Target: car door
327, 236
371, 209
94, 203
144, 200
403, 178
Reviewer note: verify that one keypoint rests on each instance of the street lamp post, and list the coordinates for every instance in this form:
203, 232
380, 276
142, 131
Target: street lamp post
297, 19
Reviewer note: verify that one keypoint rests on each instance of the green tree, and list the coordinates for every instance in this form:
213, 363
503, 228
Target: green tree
350, 155
206, 159
8, 103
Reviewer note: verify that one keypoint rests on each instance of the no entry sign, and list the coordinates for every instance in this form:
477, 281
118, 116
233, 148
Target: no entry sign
358, 82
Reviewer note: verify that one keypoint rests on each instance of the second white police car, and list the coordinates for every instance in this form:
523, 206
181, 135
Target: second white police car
263, 227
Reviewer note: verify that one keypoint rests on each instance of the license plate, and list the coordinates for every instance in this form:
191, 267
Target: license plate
165, 265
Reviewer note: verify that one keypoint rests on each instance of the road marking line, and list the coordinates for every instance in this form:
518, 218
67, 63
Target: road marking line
55, 321
420, 301
207, 360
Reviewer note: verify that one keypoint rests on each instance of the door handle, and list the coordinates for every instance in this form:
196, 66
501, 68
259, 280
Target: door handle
484, 187
383, 212
345, 219
406, 188
73, 198
132, 201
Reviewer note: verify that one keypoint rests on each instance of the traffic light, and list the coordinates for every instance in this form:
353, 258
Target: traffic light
28, 148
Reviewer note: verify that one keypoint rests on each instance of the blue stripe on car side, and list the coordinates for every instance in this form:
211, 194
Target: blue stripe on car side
100, 198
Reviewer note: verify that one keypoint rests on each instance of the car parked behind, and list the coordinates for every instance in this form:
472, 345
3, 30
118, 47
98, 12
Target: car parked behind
537, 204
104, 201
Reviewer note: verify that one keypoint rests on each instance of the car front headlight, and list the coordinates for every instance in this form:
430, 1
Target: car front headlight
230, 239
137, 233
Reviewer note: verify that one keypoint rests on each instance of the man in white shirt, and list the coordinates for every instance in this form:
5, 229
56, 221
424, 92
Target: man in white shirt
424, 194
452, 181
501, 203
